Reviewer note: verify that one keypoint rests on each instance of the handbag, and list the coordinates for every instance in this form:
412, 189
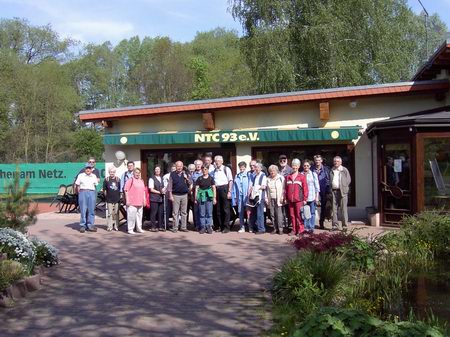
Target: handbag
307, 212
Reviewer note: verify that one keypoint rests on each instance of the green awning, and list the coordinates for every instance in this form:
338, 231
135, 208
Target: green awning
233, 136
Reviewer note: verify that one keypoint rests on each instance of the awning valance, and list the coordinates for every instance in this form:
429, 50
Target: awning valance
233, 136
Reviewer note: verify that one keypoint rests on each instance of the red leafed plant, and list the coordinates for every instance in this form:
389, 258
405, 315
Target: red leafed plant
322, 242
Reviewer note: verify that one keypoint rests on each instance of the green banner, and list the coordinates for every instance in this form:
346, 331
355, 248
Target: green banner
238, 136
44, 178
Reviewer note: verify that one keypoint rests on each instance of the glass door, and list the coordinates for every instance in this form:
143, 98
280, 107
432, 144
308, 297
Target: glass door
395, 181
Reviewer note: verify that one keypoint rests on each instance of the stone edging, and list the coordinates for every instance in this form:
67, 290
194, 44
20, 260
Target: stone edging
22, 287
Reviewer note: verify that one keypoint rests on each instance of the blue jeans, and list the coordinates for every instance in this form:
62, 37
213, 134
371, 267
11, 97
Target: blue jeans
205, 213
310, 223
242, 214
257, 218
86, 201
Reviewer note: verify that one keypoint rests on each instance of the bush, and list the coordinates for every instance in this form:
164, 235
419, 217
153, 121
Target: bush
17, 247
347, 322
322, 242
16, 211
10, 272
360, 253
429, 229
306, 282
46, 254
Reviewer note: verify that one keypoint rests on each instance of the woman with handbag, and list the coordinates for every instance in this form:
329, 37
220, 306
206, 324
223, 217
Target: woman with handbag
275, 198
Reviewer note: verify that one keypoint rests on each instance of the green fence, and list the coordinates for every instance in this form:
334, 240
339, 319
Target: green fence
44, 178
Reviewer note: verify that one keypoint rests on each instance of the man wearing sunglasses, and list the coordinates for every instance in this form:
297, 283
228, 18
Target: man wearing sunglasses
91, 163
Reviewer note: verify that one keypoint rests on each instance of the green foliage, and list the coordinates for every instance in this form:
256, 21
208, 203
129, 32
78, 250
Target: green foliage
346, 322
322, 44
16, 210
306, 282
429, 229
10, 272
360, 253
201, 89
87, 143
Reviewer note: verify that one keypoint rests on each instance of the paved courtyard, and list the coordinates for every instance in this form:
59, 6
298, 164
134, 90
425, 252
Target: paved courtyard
151, 284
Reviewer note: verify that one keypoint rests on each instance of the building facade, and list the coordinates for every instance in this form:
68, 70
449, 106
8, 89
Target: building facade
299, 124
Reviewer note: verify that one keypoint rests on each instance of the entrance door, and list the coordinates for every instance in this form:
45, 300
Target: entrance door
395, 181
164, 158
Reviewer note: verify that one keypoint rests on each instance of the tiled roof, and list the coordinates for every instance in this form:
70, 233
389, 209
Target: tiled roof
392, 89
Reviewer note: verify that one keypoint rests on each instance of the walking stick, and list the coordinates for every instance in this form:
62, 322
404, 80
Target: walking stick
165, 214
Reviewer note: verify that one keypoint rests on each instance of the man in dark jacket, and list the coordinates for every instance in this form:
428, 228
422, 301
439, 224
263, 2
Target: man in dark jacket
323, 173
178, 188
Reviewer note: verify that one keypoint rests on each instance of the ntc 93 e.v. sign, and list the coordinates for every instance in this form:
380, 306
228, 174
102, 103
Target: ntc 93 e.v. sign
223, 137
44, 178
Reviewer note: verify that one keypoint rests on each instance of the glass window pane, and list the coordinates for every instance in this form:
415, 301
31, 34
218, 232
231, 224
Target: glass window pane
437, 173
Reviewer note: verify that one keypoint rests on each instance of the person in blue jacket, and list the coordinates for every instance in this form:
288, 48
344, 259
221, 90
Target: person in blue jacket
239, 194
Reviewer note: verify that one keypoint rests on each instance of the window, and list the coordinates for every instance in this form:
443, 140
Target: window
437, 173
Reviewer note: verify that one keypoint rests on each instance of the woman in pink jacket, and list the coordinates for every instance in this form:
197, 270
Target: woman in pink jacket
135, 196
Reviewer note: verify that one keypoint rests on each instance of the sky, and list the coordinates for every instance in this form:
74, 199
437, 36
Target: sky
97, 21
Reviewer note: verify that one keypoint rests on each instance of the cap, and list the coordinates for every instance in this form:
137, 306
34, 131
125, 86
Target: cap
88, 165
282, 156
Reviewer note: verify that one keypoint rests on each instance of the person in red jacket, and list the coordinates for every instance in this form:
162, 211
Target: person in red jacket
296, 196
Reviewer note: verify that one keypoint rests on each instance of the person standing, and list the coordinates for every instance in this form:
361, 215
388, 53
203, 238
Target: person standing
257, 190
194, 176
323, 174
224, 182
135, 196
239, 194
167, 204
313, 196
156, 187
111, 189
284, 168
92, 163
296, 196
275, 198
340, 186
205, 198
85, 186
208, 162
178, 188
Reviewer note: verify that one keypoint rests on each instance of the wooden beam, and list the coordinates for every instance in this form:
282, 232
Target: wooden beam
208, 121
324, 108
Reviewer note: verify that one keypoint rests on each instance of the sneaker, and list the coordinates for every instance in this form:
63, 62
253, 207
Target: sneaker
116, 229
174, 230
242, 230
210, 231
225, 231
131, 232
259, 233
109, 229
202, 231
82, 229
184, 230
140, 231
92, 229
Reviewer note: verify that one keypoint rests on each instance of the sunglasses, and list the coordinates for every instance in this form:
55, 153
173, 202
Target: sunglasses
91, 162
283, 159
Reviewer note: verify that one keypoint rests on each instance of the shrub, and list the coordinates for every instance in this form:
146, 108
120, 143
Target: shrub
10, 272
430, 229
322, 242
306, 282
17, 247
348, 322
360, 253
16, 211
46, 254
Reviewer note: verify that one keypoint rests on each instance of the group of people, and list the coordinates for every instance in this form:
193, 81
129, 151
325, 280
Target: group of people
289, 195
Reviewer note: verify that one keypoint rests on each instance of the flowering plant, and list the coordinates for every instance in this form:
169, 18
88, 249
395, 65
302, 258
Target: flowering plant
322, 242
17, 247
46, 254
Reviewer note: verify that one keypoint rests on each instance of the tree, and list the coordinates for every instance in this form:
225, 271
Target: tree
331, 43
87, 143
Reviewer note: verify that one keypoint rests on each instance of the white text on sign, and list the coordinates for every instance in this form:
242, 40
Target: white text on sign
226, 137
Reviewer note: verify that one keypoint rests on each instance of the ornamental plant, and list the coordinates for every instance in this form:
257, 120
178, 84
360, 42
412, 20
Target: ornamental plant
10, 272
322, 242
17, 247
46, 254
16, 210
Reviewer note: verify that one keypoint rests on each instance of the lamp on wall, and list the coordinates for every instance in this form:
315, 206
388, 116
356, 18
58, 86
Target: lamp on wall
353, 104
